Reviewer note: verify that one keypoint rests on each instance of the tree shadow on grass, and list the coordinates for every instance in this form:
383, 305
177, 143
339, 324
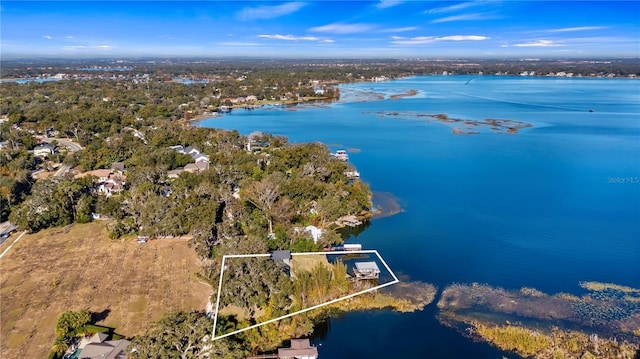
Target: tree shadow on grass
99, 316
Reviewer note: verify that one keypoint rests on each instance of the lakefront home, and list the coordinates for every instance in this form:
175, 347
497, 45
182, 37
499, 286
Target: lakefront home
300, 349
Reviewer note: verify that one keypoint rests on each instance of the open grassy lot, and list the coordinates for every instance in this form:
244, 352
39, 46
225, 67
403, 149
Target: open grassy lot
55, 270
308, 262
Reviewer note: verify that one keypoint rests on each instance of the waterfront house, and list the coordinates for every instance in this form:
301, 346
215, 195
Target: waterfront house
314, 231
352, 247
341, 155
349, 221
366, 270
300, 349
282, 257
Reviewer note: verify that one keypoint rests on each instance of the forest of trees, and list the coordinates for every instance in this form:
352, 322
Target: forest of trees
245, 202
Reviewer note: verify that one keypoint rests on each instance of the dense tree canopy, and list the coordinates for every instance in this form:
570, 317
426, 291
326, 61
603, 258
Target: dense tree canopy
186, 336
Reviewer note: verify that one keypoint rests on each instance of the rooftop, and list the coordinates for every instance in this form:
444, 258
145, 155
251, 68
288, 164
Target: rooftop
371, 267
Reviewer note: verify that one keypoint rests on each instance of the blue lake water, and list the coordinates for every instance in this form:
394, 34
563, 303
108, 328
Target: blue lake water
546, 207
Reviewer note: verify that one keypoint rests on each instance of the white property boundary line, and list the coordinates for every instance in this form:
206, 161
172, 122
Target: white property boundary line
215, 316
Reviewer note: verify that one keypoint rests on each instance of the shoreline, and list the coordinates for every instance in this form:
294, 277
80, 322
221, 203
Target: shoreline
257, 106
374, 96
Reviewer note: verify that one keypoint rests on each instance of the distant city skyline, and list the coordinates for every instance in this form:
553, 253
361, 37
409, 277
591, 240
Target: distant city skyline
321, 29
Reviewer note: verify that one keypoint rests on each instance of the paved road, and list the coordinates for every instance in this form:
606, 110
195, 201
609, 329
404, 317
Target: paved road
11, 245
64, 142
62, 170
72, 146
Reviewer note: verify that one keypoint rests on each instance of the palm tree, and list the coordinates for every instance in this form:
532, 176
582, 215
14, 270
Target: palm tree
60, 345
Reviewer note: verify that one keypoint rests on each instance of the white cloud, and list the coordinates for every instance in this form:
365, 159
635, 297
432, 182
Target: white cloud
328, 41
538, 43
421, 40
289, 37
83, 47
465, 17
74, 47
456, 7
69, 37
269, 11
400, 29
463, 38
384, 4
579, 28
338, 28
48, 37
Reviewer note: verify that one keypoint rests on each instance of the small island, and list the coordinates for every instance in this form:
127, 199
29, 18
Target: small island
408, 93
462, 126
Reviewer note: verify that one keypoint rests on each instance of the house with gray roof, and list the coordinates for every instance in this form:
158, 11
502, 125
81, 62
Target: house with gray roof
300, 349
98, 347
366, 270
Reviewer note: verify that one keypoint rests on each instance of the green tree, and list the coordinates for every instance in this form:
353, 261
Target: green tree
186, 336
264, 195
70, 322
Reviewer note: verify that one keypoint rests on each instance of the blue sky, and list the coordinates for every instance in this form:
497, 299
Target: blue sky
321, 29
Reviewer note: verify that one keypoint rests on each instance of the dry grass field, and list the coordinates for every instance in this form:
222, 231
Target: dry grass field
131, 284
308, 262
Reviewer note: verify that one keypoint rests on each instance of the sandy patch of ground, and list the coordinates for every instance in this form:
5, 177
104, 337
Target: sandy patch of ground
130, 284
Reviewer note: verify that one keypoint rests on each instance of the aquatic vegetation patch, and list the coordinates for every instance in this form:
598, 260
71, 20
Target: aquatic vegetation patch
528, 342
555, 343
462, 126
386, 204
482, 297
600, 286
571, 324
408, 93
606, 303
